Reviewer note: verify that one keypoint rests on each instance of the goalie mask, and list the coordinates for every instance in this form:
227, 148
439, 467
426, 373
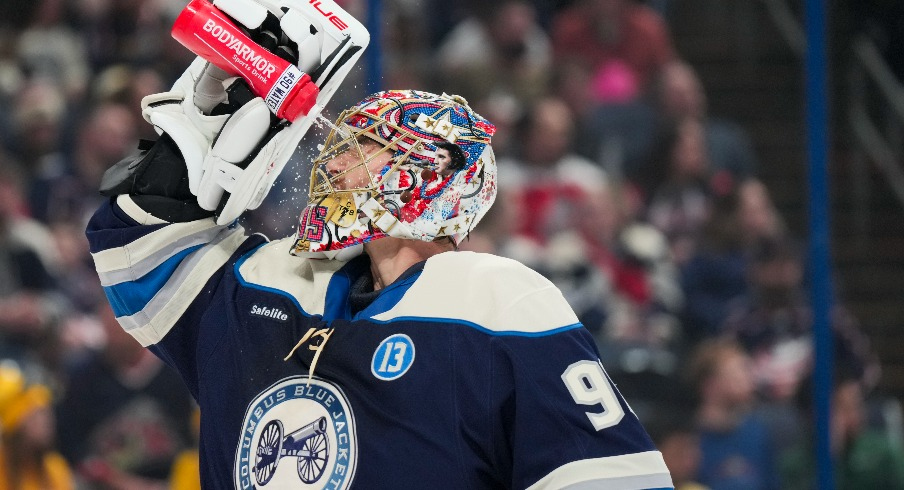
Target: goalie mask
406, 164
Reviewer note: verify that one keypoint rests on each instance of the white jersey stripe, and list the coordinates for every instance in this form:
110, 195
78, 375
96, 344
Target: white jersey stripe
142, 267
150, 245
128, 206
152, 323
637, 471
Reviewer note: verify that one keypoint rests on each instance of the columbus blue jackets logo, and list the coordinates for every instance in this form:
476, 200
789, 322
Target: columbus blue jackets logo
297, 434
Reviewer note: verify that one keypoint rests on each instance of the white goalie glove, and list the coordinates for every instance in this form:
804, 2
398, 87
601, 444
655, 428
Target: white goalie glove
233, 145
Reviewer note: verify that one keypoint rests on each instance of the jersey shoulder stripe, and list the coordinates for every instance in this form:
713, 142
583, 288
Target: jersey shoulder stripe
497, 295
625, 472
151, 323
129, 297
146, 252
152, 280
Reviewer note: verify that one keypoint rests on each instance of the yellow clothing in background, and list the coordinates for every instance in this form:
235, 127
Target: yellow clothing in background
56, 470
186, 474
691, 486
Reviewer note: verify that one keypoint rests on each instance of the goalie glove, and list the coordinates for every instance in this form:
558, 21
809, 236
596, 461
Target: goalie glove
184, 113
234, 147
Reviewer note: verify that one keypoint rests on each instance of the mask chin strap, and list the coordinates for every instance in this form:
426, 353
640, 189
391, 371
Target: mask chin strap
453, 242
383, 220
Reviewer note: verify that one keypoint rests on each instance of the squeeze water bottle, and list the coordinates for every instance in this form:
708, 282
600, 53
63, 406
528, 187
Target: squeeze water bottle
209, 33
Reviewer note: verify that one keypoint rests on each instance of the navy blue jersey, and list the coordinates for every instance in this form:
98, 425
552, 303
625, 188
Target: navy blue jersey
470, 371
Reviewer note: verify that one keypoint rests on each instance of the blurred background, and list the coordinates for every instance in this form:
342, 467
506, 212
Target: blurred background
652, 163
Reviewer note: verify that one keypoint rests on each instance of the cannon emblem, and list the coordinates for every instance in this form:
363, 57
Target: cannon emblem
305, 420
309, 445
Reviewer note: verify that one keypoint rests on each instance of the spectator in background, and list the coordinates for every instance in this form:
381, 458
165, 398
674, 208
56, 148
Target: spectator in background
123, 84
607, 53
612, 38
105, 136
717, 273
633, 257
499, 49
16, 221
617, 275
124, 416
50, 49
547, 178
620, 135
28, 459
679, 95
774, 324
736, 446
38, 130
675, 434
633, 139
865, 457
29, 305
680, 204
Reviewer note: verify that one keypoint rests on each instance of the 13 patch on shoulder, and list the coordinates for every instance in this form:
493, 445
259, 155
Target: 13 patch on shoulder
297, 435
393, 357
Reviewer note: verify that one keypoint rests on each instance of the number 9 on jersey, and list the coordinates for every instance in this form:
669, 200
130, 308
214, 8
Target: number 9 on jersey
588, 384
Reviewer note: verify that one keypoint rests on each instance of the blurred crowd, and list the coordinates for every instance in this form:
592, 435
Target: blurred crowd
615, 182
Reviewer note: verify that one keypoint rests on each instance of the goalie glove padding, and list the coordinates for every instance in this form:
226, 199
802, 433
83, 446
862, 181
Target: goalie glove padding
232, 153
226, 161
157, 180
177, 114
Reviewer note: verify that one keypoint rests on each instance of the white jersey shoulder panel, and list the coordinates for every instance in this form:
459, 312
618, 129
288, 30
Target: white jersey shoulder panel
624, 472
494, 293
273, 267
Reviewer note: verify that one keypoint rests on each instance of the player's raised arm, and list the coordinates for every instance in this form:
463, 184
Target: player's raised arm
233, 119
167, 234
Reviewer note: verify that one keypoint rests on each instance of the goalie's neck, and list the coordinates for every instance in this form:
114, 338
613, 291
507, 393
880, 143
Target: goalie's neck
390, 257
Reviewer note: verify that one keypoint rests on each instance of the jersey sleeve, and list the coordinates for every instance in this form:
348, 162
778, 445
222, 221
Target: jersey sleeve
561, 421
155, 273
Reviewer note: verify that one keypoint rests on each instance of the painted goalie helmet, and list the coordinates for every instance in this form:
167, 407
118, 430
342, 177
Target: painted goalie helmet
406, 164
